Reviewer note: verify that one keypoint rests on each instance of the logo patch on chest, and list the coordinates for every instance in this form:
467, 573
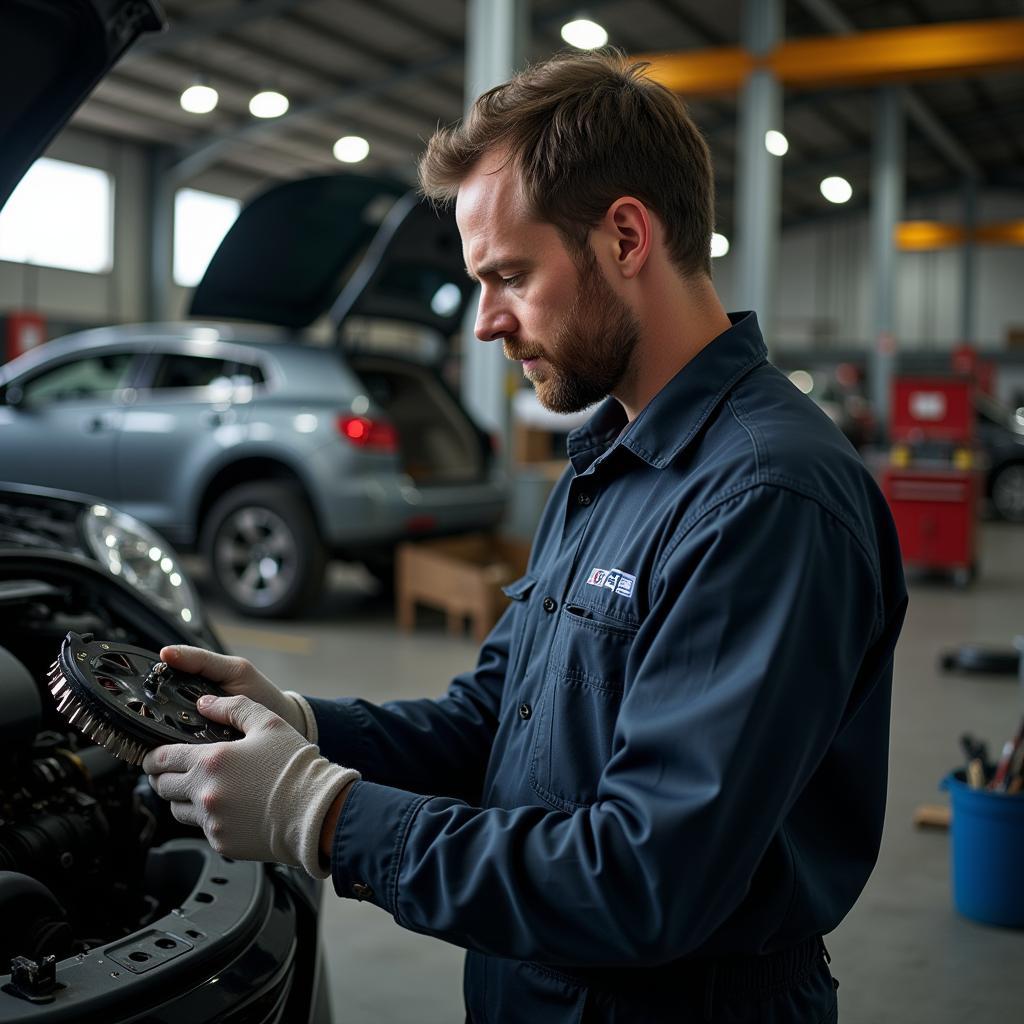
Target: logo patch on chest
613, 579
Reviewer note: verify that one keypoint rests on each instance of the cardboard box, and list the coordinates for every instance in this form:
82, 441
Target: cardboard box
462, 576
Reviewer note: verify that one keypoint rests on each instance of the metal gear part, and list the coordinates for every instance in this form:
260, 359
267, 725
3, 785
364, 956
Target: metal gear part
128, 700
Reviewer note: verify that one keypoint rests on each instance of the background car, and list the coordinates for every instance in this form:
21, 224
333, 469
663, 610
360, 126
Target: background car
1001, 436
267, 453
74, 529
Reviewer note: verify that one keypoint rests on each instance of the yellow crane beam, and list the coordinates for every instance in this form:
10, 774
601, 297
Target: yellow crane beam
922, 235
948, 50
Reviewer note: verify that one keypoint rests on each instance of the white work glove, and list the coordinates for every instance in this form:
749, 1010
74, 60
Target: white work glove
239, 676
262, 797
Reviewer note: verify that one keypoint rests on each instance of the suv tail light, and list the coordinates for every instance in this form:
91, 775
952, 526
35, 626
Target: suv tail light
373, 435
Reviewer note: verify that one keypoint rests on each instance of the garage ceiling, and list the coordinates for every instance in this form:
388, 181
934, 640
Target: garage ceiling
390, 70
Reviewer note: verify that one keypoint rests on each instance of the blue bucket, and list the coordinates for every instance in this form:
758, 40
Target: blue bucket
987, 852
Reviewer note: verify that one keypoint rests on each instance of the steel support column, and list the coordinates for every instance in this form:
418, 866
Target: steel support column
887, 183
969, 262
758, 178
160, 196
496, 33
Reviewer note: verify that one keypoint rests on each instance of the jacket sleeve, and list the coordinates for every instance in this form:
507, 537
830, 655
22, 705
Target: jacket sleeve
426, 746
738, 681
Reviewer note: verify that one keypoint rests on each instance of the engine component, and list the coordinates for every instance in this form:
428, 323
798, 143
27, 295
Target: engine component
21, 710
128, 700
42, 921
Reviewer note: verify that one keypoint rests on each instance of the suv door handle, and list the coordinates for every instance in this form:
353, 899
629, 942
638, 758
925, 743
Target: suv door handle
98, 423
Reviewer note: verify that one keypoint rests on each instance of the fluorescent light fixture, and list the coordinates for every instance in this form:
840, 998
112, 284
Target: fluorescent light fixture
199, 99
268, 103
584, 34
350, 149
776, 143
719, 245
836, 189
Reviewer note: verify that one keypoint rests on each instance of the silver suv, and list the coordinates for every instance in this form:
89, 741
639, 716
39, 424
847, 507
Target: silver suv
245, 441
268, 456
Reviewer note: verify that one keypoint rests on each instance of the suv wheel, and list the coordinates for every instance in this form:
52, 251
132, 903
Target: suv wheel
1008, 492
265, 555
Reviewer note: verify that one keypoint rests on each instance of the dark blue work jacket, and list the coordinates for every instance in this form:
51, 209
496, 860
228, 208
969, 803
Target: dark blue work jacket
673, 746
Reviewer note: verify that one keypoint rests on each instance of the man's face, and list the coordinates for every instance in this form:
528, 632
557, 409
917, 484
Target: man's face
557, 315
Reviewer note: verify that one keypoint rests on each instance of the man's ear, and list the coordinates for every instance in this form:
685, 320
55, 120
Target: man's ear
628, 224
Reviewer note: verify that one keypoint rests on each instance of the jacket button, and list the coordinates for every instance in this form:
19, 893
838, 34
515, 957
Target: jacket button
361, 891
525, 711
549, 604
583, 498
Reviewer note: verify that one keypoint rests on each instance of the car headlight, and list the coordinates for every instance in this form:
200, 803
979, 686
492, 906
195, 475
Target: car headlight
132, 551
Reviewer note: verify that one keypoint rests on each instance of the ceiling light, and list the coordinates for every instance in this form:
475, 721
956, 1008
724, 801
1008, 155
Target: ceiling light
584, 34
836, 189
351, 149
268, 103
199, 99
776, 143
446, 299
719, 245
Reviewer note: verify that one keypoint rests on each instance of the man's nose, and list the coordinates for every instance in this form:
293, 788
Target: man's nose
493, 323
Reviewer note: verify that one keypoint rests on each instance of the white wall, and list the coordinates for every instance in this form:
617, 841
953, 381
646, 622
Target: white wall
68, 296
824, 283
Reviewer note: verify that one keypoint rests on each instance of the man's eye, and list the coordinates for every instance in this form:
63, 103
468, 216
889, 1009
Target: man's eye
511, 281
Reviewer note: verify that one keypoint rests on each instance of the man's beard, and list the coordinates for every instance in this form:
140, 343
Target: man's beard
591, 350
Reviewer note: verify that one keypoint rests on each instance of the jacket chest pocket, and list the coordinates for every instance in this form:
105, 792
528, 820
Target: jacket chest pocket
519, 609
579, 706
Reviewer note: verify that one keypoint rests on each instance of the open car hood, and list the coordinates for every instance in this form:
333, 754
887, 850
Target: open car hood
52, 54
348, 244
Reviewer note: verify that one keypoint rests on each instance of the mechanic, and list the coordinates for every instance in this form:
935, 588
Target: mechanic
664, 780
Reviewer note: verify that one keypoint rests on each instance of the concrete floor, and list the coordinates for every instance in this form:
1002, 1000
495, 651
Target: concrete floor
903, 954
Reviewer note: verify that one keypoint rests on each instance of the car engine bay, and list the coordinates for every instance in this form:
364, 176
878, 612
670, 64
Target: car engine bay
76, 823
108, 906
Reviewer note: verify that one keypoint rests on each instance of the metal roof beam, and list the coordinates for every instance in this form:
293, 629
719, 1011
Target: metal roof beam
206, 151
924, 118
194, 30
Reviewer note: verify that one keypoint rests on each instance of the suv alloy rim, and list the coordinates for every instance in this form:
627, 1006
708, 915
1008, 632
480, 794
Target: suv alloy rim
1008, 493
255, 556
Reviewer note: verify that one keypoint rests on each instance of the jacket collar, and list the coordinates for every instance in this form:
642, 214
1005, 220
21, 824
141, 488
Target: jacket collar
673, 417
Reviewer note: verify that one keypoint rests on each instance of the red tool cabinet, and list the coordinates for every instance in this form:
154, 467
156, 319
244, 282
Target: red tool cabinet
935, 516
20, 331
931, 486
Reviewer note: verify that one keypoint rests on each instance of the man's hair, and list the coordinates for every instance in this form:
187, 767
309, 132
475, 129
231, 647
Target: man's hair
583, 130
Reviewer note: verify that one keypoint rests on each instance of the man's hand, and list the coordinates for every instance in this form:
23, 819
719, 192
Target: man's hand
263, 797
239, 676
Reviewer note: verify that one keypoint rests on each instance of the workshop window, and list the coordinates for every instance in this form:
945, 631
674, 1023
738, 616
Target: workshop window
60, 215
201, 220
